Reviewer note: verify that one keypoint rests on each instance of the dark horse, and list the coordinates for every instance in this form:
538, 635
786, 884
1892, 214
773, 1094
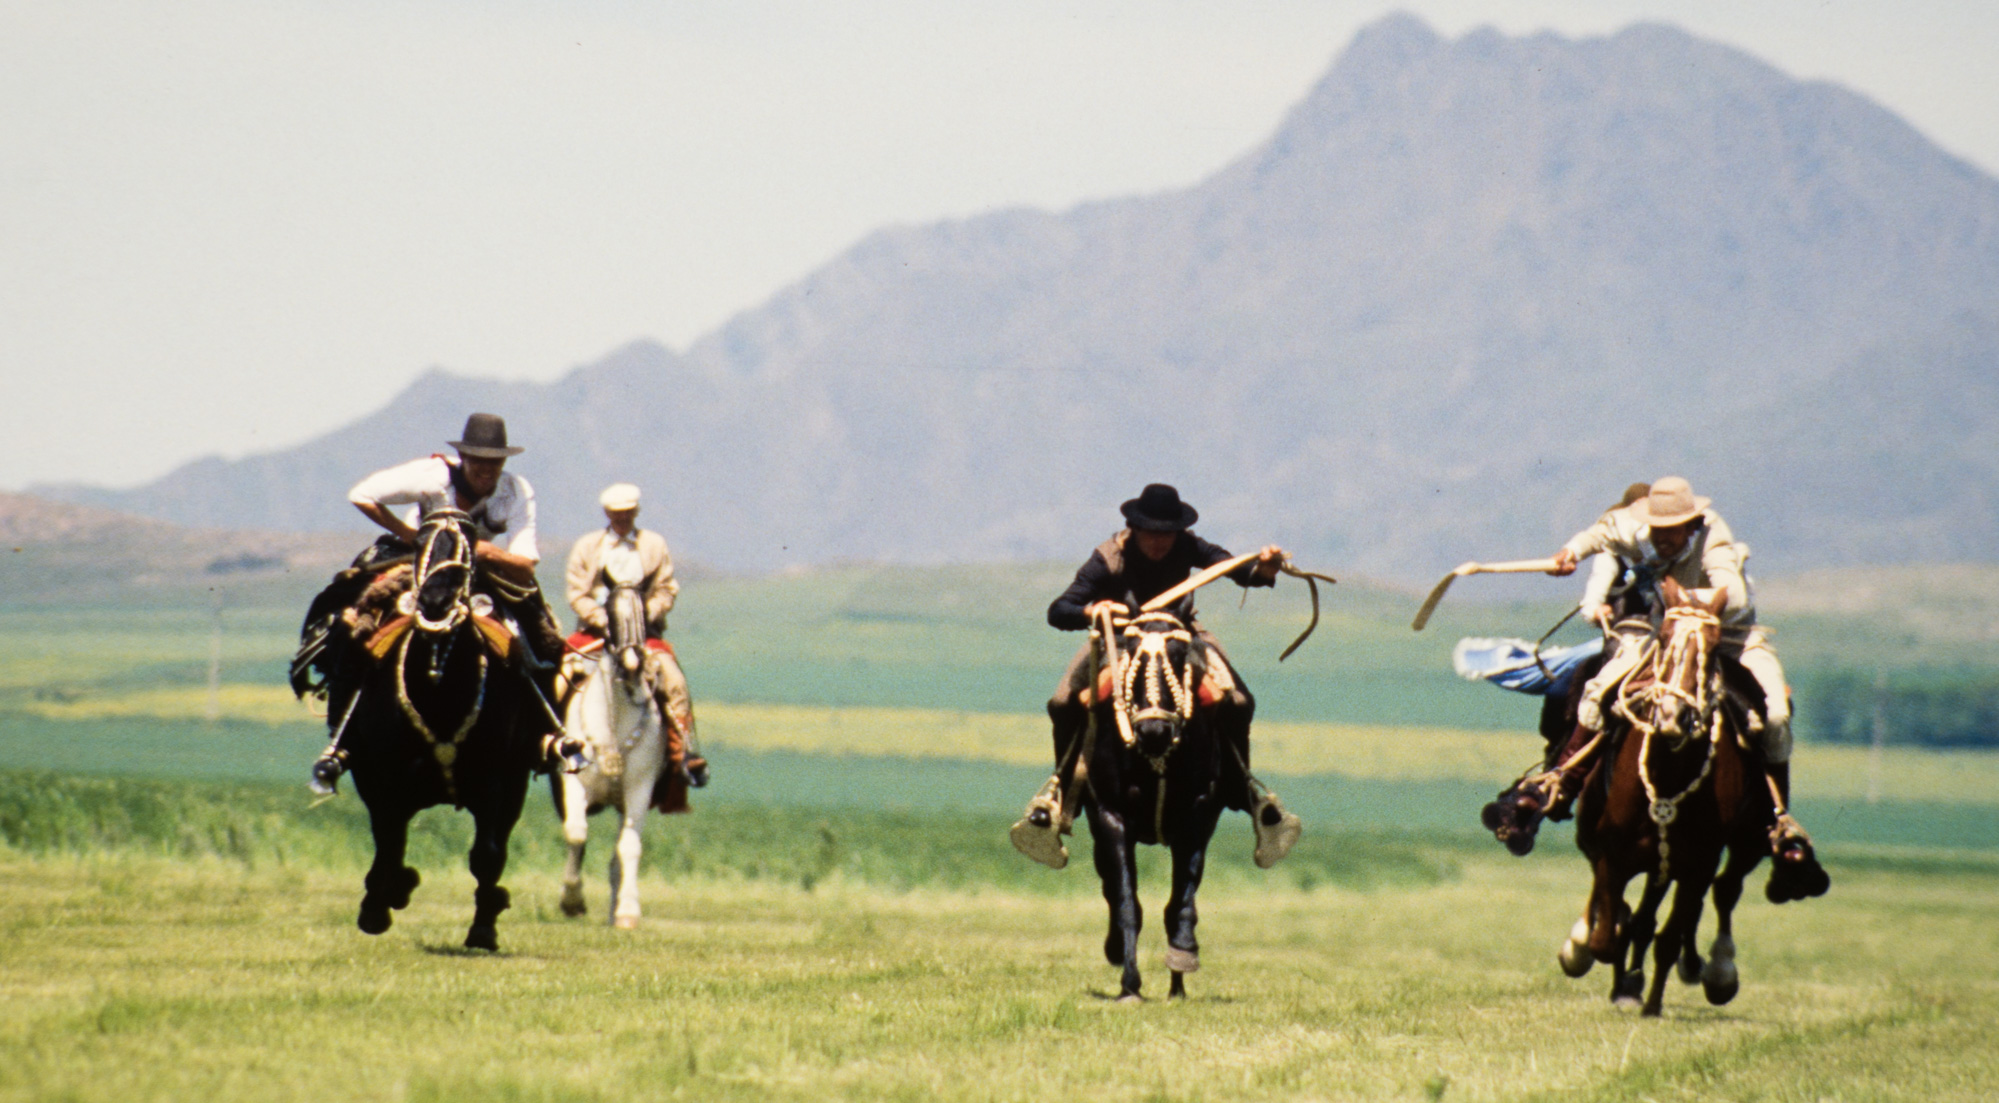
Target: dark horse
1679, 791
1151, 758
441, 713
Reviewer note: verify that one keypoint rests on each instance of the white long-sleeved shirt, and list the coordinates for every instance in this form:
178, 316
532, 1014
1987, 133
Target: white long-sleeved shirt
1712, 559
504, 518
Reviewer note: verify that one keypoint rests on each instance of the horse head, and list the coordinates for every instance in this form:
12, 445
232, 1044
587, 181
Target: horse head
1679, 681
440, 596
1155, 676
625, 635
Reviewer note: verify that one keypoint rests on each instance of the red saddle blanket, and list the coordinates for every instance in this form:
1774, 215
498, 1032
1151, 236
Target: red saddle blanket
583, 643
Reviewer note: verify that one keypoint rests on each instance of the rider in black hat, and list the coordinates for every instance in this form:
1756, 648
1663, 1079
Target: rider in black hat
502, 507
1156, 551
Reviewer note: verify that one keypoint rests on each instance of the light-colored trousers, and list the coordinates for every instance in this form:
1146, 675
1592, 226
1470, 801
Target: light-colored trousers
1753, 652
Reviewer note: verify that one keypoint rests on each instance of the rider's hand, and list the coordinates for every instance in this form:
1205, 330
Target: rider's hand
595, 618
1096, 608
1565, 563
1598, 615
1268, 560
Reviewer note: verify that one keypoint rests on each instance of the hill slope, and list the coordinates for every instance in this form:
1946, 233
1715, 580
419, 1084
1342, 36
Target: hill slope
1466, 291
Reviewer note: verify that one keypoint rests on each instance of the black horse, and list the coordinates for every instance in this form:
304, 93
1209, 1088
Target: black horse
441, 712
1151, 759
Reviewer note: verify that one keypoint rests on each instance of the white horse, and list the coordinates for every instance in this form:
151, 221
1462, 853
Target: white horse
614, 712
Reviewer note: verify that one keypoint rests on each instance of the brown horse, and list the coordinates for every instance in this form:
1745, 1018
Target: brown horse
1679, 792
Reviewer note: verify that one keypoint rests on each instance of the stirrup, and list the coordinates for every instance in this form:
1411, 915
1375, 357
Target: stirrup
565, 751
695, 770
1277, 830
1788, 835
326, 771
1038, 832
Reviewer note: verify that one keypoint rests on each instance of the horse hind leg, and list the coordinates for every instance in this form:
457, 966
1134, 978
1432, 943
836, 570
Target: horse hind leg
389, 882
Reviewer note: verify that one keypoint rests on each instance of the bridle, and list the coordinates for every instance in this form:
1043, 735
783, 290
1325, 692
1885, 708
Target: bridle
1144, 683
440, 631
1681, 660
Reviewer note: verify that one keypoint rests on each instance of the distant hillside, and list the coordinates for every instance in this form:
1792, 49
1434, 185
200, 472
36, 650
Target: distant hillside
56, 553
1465, 292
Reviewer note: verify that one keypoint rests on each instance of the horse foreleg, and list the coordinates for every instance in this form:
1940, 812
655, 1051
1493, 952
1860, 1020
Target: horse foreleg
1719, 980
1688, 892
1183, 951
638, 799
1608, 931
389, 882
493, 821
1640, 930
576, 832
1117, 869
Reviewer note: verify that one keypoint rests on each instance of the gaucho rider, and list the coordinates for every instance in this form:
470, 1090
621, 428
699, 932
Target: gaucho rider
1671, 532
622, 553
1154, 553
501, 505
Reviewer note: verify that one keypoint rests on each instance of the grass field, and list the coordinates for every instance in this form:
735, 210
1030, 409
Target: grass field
842, 917
180, 941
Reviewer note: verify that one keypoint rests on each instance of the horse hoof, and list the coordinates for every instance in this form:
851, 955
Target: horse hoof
1131, 997
1650, 1012
1719, 982
1183, 961
626, 922
410, 880
482, 937
1626, 1003
374, 918
1575, 959
1691, 967
574, 908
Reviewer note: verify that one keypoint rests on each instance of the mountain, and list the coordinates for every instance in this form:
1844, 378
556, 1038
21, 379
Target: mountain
1466, 291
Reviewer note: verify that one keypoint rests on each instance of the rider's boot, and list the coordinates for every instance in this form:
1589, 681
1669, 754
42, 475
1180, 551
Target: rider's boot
1788, 839
1038, 833
1277, 829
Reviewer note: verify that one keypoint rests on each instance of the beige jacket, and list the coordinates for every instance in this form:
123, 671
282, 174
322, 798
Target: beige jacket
586, 565
1712, 559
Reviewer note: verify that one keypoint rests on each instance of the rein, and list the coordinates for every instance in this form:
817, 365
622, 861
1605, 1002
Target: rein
1219, 570
462, 608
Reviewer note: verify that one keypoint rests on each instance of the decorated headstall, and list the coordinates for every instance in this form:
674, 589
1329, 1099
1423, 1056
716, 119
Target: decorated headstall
1144, 682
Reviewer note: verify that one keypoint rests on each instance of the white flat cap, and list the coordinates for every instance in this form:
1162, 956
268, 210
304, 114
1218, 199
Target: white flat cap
619, 496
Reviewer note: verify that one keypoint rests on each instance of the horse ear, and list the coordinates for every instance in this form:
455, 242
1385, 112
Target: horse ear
1184, 609
1671, 590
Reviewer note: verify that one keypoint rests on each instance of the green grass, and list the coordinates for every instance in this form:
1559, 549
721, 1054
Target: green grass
132, 972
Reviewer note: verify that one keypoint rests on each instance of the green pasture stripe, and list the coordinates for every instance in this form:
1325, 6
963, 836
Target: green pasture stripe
143, 747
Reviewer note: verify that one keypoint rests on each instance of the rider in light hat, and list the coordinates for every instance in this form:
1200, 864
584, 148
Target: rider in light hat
1672, 532
622, 552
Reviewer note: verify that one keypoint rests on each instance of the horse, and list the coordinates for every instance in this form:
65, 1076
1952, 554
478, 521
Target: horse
614, 711
445, 714
1677, 794
1151, 759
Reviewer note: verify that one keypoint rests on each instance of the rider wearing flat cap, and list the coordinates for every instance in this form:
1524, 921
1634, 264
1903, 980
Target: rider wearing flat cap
622, 553
1156, 551
1671, 532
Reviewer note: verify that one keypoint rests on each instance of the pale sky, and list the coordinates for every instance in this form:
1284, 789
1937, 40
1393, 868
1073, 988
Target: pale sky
227, 226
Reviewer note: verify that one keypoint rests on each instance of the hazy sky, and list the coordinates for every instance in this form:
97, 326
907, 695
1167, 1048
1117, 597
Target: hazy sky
227, 226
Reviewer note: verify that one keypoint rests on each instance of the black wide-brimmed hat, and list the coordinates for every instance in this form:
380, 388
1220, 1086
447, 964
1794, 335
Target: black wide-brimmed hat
1158, 508
485, 438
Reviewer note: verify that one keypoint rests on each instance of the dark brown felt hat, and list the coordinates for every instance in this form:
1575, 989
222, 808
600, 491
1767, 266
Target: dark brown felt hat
1158, 508
485, 438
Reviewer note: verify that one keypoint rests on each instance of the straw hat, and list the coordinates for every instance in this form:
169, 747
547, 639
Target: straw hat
1672, 501
618, 497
